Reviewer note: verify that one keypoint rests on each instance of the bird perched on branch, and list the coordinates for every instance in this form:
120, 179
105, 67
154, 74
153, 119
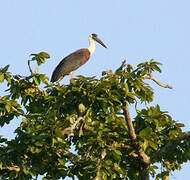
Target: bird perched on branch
73, 61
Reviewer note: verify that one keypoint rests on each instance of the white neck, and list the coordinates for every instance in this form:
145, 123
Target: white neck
92, 45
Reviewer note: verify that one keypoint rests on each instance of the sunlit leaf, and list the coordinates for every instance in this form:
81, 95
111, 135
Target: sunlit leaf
44, 55
145, 132
8, 107
1, 77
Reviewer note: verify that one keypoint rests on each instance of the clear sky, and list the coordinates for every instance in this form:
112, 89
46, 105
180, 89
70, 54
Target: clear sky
133, 30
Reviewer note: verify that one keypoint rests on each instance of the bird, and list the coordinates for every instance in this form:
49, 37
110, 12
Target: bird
76, 59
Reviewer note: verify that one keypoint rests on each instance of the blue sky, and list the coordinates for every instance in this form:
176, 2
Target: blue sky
132, 30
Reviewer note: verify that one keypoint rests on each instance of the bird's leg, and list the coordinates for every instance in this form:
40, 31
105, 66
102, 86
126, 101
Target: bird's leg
71, 75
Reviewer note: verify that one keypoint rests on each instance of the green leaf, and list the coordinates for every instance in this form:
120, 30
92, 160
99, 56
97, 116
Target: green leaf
44, 55
152, 169
179, 125
1, 165
41, 54
144, 144
117, 168
142, 64
58, 133
40, 60
8, 107
145, 132
36, 71
117, 152
36, 80
155, 67
2, 77
61, 161
40, 57
158, 63
153, 145
108, 162
126, 89
4, 70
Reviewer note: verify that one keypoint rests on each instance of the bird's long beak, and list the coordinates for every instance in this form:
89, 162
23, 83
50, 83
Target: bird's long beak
99, 41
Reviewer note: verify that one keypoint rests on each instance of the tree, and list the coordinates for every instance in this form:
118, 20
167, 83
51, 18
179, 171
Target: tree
92, 117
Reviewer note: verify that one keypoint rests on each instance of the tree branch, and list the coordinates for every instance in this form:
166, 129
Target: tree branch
170, 145
38, 89
30, 67
145, 159
156, 81
70, 130
15, 110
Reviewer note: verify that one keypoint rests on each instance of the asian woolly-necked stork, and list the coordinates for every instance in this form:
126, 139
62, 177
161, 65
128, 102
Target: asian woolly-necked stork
75, 60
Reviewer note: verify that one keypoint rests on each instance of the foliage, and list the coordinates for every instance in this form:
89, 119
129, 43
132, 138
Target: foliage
87, 116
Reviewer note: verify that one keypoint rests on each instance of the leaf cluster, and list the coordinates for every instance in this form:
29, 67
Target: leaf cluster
80, 129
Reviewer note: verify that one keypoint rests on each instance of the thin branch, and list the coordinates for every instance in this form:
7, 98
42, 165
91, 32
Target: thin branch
156, 81
145, 159
88, 128
69, 155
136, 104
18, 112
121, 67
12, 168
70, 130
38, 89
30, 67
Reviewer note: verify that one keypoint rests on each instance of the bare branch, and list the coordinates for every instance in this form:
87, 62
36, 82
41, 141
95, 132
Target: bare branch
145, 159
156, 81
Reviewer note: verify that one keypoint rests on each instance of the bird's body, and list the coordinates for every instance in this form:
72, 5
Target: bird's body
70, 63
75, 60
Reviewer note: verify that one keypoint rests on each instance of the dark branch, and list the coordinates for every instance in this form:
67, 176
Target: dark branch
30, 67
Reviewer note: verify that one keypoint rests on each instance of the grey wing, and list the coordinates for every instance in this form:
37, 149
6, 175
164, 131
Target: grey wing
69, 64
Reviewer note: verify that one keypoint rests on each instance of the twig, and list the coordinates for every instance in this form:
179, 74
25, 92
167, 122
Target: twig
67, 154
75, 124
30, 67
18, 112
145, 159
38, 88
88, 128
136, 103
156, 81
12, 168
121, 67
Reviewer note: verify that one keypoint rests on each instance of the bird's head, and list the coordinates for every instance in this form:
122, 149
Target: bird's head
95, 37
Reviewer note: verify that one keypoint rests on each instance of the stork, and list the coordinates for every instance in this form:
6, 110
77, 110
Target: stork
75, 59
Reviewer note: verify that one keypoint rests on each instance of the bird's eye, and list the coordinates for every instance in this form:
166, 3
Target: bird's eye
94, 35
